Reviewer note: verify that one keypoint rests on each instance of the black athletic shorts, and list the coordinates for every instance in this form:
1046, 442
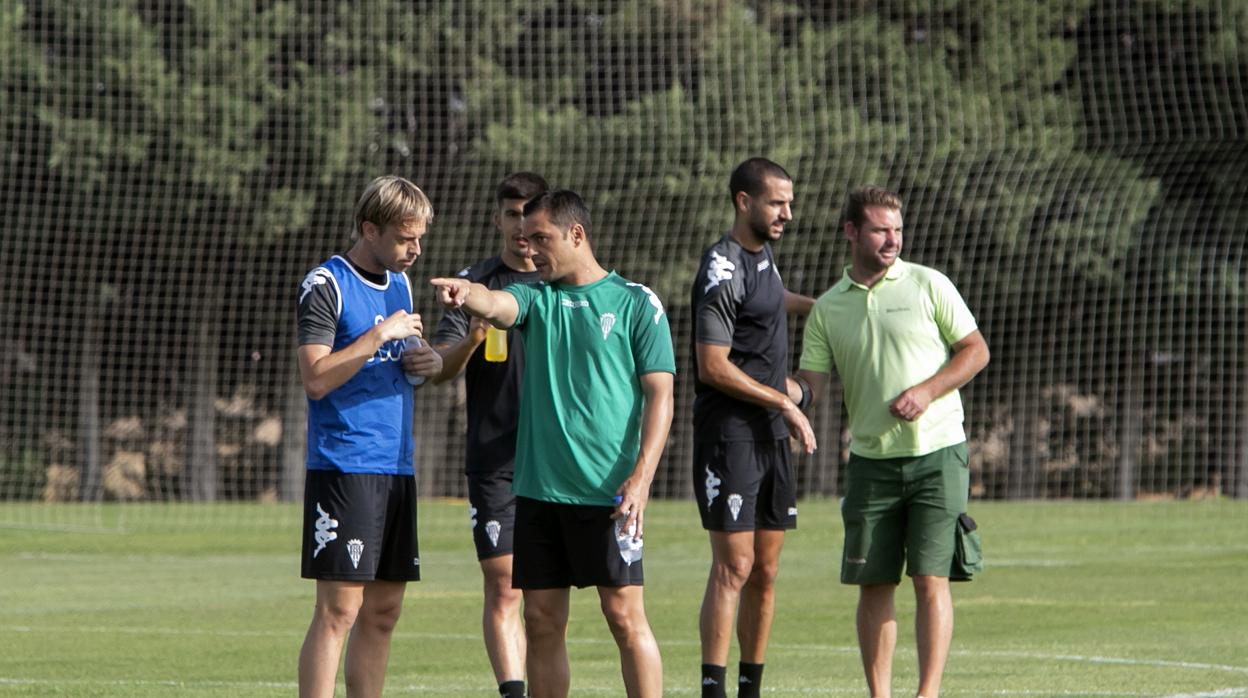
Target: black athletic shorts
745, 485
360, 527
564, 545
492, 508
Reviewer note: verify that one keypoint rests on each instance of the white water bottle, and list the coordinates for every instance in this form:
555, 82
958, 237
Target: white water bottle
412, 343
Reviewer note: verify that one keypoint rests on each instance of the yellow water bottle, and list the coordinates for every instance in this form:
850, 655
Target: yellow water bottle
495, 345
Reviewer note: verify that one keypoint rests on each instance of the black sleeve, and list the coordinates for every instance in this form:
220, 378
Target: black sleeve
452, 328
318, 309
720, 291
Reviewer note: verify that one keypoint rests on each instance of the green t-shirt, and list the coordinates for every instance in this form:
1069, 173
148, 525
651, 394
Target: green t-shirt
884, 340
585, 348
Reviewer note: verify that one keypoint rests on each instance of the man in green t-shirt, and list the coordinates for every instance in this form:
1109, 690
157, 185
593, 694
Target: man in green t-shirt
902, 341
595, 409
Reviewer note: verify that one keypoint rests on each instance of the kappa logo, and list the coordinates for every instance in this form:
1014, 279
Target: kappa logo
720, 269
472, 515
712, 485
653, 298
792, 511
324, 533
606, 321
317, 277
355, 548
734, 505
708, 681
492, 529
463, 272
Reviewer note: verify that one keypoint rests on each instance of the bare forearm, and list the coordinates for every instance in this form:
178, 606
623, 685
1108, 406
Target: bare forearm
455, 357
324, 374
656, 422
730, 380
960, 369
798, 304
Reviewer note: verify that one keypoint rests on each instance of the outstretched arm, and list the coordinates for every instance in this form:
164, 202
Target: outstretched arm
497, 307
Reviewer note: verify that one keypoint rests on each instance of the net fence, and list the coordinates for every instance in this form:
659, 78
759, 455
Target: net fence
171, 170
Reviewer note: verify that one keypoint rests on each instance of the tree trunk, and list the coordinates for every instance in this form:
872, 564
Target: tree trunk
294, 443
92, 489
202, 465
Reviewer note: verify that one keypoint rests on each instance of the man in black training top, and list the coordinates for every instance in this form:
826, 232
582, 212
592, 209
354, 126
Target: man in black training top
745, 407
493, 376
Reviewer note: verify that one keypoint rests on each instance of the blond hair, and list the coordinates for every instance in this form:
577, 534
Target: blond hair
391, 199
869, 195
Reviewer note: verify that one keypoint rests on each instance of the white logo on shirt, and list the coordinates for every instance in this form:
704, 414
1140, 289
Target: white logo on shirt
763, 265
464, 271
712, 483
390, 351
654, 300
316, 277
573, 304
323, 533
720, 269
606, 321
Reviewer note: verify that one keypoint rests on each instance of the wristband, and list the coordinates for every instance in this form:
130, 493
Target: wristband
806, 394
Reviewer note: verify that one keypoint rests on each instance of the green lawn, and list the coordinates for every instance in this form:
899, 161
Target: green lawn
1079, 599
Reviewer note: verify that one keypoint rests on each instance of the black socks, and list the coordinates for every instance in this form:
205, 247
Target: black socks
511, 689
713, 681
750, 681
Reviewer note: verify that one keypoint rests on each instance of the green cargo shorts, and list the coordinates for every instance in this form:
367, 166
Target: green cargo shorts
902, 509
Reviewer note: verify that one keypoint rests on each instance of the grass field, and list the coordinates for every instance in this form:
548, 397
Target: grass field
1080, 599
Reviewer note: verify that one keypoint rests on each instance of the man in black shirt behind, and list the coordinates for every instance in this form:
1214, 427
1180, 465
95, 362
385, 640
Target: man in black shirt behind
744, 409
492, 377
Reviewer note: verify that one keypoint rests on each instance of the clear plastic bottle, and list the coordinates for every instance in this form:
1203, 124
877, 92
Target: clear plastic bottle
630, 548
495, 345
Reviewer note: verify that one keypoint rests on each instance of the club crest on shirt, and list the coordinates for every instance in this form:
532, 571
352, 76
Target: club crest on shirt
606, 321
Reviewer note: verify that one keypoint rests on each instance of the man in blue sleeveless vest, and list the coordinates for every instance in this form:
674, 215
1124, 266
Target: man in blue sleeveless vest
359, 524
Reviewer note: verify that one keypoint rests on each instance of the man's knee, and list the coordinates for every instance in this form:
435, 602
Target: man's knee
732, 571
928, 588
625, 617
763, 574
542, 621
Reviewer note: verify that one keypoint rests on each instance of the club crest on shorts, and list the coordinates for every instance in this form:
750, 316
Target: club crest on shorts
492, 529
734, 505
606, 321
323, 533
355, 548
712, 487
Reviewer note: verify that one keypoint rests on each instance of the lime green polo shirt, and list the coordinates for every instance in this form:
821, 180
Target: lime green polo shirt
882, 341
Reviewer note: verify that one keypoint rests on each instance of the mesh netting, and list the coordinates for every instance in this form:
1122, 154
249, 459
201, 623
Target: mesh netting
171, 171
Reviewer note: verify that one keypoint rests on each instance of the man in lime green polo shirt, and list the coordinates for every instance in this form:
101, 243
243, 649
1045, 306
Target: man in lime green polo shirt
902, 341
595, 410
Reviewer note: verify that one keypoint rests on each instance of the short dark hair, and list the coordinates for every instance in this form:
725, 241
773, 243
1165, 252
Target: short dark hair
520, 185
750, 176
869, 195
564, 206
